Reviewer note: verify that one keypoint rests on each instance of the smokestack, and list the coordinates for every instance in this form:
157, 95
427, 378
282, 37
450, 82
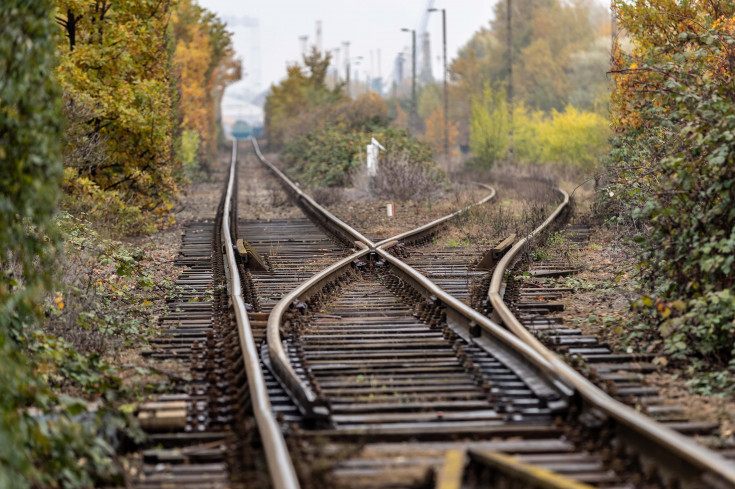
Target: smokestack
426, 75
318, 42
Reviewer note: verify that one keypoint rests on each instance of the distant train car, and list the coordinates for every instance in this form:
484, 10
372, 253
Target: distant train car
243, 130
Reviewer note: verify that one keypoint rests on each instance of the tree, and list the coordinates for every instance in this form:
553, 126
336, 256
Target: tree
30, 126
204, 62
114, 70
548, 39
673, 168
294, 106
434, 135
489, 127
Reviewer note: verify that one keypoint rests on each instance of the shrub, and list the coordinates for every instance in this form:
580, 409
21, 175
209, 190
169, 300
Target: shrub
489, 128
42, 441
572, 139
401, 178
326, 157
673, 169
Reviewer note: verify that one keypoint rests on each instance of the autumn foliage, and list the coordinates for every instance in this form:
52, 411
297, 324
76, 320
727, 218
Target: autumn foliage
561, 53
204, 63
673, 170
130, 89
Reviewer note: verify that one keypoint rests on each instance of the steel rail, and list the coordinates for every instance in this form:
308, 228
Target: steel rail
427, 228
694, 459
459, 314
280, 465
529, 475
310, 404
464, 319
301, 196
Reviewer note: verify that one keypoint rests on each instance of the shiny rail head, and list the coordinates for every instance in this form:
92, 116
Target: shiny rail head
476, 328
314, 409
278, 459
347, 233
502, 468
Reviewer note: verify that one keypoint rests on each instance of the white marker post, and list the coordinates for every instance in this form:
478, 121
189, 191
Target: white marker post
389, 209
372, 157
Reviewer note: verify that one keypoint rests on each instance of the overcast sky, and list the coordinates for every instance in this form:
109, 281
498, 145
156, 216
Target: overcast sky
367, 25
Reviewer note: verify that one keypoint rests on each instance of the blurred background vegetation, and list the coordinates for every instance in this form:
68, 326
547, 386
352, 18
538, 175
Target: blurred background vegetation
561, 55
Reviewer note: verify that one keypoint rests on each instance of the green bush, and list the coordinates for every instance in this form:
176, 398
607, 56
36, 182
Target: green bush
572, 139
489, 126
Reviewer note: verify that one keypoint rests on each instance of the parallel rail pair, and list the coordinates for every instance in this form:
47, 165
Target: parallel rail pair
693, 463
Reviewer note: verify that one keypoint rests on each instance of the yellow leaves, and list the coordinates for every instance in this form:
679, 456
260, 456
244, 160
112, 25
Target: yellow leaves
434, 134
59, 300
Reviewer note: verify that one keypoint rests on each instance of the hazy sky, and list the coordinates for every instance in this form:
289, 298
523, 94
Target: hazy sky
367, 25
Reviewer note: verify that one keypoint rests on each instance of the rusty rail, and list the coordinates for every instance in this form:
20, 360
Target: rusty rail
280, 466
693, 463
466, 322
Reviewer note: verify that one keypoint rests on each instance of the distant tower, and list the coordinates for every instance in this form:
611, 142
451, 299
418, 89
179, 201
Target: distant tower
302, 40
346, 47
335, 63
377, 82
318, 40
425, 74
398, 69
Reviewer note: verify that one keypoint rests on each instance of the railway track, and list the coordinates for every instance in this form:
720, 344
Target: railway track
373, 375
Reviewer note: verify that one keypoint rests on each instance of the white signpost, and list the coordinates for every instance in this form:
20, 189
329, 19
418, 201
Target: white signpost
372, 157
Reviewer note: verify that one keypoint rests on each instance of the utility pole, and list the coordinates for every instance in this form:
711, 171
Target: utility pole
446, 92
336, 65
510, 80
346, 45
413, 76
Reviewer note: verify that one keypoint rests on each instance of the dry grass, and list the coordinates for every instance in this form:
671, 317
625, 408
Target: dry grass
400, 179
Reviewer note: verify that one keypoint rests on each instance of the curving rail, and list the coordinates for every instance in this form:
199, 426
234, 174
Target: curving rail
466, 322
689, 460
312, 208
278, 459
430, 228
